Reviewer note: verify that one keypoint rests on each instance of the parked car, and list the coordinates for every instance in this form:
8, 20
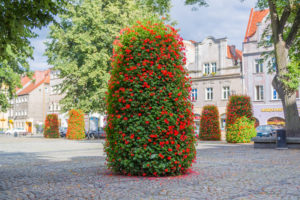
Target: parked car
63, 131
16, 132
98, 133
265, 131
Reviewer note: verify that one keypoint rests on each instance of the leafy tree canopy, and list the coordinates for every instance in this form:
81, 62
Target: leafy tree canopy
81, 48
17, 20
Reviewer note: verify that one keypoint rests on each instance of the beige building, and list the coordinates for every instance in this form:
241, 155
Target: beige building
29, 108
215, 69
55, 97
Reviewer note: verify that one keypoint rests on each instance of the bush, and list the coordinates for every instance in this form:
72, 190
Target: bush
237, 107
150, 128
51, 126
209, 123
241, 131
75, 124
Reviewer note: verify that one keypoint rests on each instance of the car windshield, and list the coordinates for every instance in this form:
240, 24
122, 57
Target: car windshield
264, 128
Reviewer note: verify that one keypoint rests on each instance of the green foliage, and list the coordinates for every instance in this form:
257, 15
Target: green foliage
75, 125
241, 131
51, 126
150, 128
292, 78
17, 20
209, 123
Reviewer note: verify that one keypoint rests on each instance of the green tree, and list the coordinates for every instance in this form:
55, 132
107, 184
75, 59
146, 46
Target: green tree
285, 26
81, 48
17, 20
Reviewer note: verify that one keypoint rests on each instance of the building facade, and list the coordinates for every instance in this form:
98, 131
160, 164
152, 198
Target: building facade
215, 69
29, 108
92, 120
259, 73
55, 97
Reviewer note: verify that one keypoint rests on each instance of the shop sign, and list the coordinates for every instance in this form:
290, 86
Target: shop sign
271, 110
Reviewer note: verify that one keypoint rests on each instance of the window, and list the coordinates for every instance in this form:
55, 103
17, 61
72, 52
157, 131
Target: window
214, 67
210, 68
209, 94
259, 92
225, 92
194, 95
206, 68
259, 66
46, 90
275, 95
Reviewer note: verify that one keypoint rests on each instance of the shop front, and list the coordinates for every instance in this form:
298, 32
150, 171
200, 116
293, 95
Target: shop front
269, 114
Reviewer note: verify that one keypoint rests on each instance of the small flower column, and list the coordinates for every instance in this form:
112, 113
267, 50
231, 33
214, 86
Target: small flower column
51, 126
75, 125
150, 127
209, 123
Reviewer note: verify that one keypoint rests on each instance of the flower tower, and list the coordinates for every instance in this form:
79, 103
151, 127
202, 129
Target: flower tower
51, 126
209, 123
150, 128
238, 106
75, 124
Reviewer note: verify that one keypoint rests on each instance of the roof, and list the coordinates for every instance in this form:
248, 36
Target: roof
254, 18
38, 79
234, 53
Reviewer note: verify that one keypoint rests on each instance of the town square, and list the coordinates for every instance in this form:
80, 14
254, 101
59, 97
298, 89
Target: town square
150, 99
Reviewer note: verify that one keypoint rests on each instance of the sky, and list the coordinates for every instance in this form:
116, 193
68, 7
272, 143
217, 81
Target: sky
222, 18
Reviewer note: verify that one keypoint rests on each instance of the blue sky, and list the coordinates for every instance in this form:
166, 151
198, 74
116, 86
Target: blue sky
222, 18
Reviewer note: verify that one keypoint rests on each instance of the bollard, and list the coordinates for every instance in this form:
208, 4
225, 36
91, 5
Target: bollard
281, 139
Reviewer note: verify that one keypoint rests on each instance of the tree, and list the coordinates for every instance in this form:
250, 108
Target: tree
81, 48
149, 128
285, 26
17, 20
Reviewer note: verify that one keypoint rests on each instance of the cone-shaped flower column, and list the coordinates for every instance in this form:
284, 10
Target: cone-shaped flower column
150, 125
51, 126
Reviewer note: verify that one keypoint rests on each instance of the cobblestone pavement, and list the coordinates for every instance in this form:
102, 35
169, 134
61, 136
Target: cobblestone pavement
37, 168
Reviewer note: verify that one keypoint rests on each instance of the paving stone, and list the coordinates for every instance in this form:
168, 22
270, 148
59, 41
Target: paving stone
38, 168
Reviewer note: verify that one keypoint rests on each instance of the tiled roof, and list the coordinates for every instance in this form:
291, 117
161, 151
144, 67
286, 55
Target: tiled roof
38, 78
254, 18
238, 53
